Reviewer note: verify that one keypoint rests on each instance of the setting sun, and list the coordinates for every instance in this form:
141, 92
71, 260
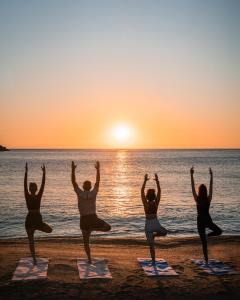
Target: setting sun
121, 135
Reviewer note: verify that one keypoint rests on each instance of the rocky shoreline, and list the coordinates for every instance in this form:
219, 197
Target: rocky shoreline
2, 148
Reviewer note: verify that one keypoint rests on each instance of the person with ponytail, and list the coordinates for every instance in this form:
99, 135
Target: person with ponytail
151, 202
203, 200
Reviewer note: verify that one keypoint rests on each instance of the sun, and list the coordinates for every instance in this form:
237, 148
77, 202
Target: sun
122, 134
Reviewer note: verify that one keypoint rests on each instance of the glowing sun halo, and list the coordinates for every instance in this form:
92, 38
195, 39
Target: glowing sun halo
122, 133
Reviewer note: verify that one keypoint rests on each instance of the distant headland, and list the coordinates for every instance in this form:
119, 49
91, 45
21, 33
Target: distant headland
2, 148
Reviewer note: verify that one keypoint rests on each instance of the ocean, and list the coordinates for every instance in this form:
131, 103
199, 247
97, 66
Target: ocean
119, 201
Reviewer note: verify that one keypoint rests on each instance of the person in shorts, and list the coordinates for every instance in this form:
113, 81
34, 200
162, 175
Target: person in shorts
151, 202
34, 219
89, 221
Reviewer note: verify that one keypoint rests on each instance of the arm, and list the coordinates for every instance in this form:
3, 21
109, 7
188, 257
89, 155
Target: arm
43, 181
193, 184
211, 185
73, 177
158, 189
26, 193
144, 201
97, 166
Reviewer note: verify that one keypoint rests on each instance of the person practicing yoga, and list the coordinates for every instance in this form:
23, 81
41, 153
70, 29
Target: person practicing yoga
204, 220
34, 218
150, 203
89, 220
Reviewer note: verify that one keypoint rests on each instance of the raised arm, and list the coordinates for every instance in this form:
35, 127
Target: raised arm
211, 185
193, 184
144, 201
26, 193
158, 189
73, 177
43, 181
97, 166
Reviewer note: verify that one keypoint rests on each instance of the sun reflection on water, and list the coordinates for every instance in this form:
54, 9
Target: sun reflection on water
122, 191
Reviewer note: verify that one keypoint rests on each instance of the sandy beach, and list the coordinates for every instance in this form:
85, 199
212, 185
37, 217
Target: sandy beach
129, 281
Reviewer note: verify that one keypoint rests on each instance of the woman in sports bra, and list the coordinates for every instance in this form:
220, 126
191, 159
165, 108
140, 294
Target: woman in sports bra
34, 218
150, 203
204, 220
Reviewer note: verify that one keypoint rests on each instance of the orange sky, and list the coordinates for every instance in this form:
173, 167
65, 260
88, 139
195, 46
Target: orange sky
70, 73
83, 119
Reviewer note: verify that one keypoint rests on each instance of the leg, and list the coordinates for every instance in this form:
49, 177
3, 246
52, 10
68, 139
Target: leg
215, 230
152, 252
30, 233
86, 237
45, 228
150, 240
100, 225
161, 232
202, 234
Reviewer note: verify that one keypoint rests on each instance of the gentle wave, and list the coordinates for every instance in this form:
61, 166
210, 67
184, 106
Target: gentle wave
119, 200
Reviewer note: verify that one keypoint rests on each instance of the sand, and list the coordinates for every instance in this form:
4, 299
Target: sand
129, 281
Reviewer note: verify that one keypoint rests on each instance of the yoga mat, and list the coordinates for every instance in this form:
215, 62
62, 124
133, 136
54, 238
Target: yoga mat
161, 267
26, 270
214, 267
98, 268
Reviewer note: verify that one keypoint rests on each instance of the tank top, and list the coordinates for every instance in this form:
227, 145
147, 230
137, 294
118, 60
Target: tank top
33, 202
203, 207
87, 202
151, 208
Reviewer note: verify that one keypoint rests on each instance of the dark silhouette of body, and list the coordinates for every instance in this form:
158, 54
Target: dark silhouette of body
34, 218
204, 220
89, 221
150, 203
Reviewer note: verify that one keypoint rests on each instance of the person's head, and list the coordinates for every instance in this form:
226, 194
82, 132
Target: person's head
87, 185
33, 188
202, 191
151, 195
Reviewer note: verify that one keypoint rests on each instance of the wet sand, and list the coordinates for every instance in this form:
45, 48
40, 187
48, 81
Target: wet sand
129, 281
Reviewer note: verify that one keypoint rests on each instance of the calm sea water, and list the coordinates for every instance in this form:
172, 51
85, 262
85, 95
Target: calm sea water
119, 200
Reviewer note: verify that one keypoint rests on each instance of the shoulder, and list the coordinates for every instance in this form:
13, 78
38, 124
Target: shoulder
28, 197
95, 189
78, 191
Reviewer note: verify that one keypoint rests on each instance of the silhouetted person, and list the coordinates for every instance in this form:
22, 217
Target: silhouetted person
152, 226
204, 220
89, 221
34, 218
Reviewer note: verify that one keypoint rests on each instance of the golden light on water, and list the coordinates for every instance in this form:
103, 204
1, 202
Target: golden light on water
122, 190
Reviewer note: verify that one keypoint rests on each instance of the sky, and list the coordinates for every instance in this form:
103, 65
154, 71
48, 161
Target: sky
71, 72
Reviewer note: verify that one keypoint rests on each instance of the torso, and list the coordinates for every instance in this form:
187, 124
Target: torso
33, 203
34, 217
203, 206
87, 202
151, 210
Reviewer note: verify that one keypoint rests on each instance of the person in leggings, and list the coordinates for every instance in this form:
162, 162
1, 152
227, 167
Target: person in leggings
89, 220
34, 218
203, 200
151, 202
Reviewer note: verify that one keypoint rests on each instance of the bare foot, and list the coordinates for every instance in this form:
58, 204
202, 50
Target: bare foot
156, 234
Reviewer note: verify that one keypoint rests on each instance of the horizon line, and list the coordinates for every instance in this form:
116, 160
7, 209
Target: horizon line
128, 149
